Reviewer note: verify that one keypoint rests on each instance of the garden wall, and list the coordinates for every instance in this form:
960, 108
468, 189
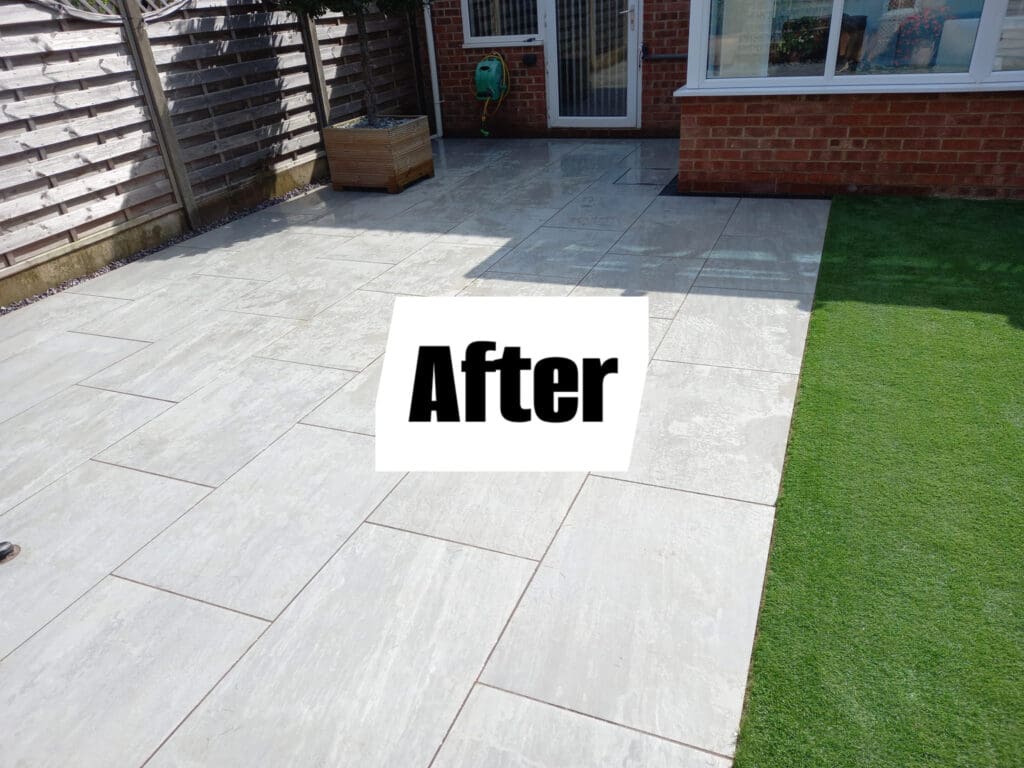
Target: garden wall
88, 156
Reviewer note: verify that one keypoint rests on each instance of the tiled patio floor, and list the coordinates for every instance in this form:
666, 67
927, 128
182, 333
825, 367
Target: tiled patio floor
213, 575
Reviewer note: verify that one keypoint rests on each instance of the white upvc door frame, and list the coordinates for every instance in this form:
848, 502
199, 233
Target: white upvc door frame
633, 83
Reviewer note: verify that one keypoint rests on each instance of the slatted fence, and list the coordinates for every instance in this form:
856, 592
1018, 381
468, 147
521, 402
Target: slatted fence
80, 144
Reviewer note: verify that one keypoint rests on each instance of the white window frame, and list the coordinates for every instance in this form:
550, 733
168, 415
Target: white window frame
980, 76
499, 41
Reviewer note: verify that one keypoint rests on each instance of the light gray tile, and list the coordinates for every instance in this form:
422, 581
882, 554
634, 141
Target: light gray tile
657, 327
263, 262
369, 665
42, 320
740, 329
757, 263
352, 407
382, 245
179, 364
513, 512
105, 683
256, 540
437, 269
548, 190
779, 216
502, 228
713, 430
677, 226
502, 284
663, 280
350, 335
643, 612
58, 434
603, 208
551, 251
220, 428
44, 370
74, 533
142, 277
499, 730
173, 306
303, 294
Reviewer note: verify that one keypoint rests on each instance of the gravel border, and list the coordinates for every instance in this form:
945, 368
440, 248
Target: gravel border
184, 236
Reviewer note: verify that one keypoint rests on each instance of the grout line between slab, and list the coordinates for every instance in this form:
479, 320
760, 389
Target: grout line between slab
652, 734
683, 490
720, 365
182, 595
450, 541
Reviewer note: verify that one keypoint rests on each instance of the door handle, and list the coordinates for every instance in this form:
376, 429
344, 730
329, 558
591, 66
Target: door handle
632, 15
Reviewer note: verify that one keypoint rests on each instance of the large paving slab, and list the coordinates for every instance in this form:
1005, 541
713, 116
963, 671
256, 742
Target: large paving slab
643, 613
109, 680
259, 538
218, 430
50, 439
44, 320
513, 512
178, 365
75, 532
368, 667
500, 730
762, 331
708, 429
44, 370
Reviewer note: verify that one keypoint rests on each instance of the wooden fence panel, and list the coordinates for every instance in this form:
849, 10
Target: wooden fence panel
77, 149
393, 72
238, 91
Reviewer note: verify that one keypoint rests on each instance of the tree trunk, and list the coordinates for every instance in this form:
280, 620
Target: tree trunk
370, 98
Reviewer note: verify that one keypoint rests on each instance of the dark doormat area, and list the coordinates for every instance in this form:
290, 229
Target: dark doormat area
671, 190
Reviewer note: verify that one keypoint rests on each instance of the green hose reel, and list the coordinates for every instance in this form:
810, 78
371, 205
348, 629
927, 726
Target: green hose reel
491, 83
491, 79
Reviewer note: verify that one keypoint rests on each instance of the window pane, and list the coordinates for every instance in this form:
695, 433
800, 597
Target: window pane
753, 38
1010, 51
495, 18
901, 36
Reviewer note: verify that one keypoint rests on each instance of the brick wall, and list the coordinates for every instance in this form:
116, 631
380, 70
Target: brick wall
524, 112
964, 144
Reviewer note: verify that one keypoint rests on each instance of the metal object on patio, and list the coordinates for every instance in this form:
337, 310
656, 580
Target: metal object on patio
8, 551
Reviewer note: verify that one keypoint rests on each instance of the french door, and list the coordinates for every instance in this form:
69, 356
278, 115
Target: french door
591, 54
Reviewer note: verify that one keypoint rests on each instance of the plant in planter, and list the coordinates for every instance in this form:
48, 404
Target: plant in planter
919, 37
389, 151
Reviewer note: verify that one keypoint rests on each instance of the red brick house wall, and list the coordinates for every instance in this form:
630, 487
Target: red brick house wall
524, 113
964, 144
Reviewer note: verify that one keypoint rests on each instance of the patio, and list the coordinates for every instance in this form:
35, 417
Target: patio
212, 571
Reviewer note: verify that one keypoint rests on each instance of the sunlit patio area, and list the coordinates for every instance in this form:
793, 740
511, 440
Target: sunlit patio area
212, 573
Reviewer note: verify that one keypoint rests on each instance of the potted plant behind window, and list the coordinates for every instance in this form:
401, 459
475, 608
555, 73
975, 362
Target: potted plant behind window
380, 151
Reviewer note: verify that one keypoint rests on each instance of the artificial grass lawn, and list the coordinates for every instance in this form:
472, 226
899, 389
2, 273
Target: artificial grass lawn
892, 631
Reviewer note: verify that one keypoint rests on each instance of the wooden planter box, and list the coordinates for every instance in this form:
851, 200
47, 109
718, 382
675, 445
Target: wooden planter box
391, 158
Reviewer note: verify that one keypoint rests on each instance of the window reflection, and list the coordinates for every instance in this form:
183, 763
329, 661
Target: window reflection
899, 36
752, 38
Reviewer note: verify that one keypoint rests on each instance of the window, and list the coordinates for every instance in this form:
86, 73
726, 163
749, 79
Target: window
500, 22
831, 46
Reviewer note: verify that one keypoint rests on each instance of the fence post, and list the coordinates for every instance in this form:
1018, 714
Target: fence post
317, 83
156, 101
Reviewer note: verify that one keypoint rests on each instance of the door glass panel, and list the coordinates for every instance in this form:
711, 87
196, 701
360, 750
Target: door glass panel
593, 68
